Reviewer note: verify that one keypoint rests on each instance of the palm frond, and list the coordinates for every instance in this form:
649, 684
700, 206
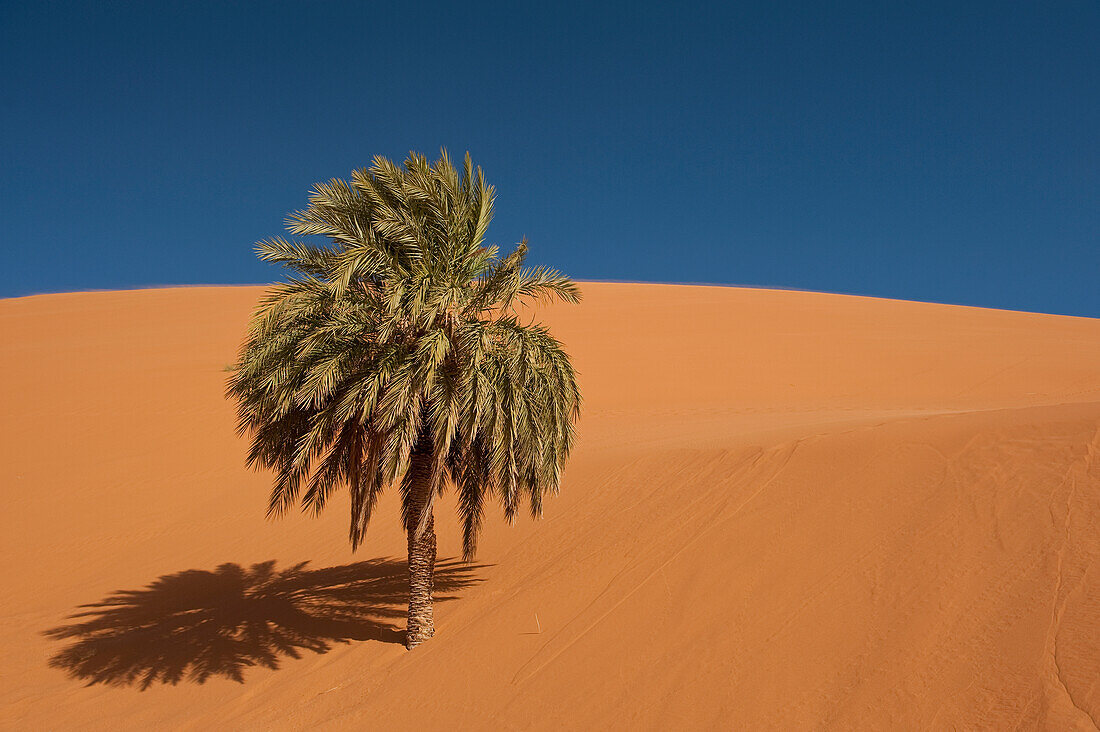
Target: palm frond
396, 344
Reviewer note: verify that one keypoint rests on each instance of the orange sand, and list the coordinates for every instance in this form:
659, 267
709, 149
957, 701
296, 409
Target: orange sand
786, 510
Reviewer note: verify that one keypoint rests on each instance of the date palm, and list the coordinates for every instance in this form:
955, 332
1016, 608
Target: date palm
394, 355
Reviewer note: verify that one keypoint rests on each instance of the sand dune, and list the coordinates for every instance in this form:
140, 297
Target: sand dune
786, 510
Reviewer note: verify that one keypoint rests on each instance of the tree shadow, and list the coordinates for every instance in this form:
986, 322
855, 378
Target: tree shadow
197, 624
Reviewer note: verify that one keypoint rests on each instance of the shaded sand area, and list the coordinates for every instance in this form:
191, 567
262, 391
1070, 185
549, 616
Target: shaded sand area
786, 510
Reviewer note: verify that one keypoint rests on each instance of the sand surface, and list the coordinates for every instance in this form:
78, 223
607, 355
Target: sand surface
786, 511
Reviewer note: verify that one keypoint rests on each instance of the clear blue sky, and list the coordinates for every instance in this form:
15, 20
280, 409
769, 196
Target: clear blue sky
930, 151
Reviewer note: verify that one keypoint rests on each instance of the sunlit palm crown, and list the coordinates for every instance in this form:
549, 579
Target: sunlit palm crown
399, 338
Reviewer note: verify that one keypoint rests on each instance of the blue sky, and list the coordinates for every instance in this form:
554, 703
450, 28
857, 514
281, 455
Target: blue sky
928, 151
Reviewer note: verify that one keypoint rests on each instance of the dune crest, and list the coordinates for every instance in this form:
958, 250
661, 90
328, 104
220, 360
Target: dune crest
786, 510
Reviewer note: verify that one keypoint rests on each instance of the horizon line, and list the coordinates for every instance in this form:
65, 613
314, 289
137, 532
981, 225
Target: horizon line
772, 288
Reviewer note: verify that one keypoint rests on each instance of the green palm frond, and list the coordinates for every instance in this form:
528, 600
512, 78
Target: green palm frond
399, 338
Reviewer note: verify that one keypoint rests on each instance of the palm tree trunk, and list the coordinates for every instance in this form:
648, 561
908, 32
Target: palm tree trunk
421, 622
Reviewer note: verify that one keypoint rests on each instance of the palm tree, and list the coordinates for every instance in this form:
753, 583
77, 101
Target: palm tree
394, 355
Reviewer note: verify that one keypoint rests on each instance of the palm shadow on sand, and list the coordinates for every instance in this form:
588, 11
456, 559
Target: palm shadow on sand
197, 624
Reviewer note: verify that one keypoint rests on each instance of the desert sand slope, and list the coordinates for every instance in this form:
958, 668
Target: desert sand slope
786, 511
